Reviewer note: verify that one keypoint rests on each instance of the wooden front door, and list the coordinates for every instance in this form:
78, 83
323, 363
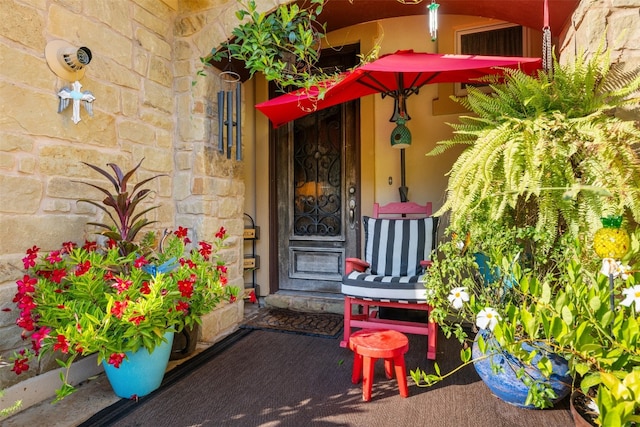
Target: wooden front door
316, 198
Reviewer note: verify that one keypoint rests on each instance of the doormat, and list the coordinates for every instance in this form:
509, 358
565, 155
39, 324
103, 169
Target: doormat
327, 325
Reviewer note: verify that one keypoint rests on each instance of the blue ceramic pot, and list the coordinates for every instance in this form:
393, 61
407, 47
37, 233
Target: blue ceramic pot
141, 372
506, 385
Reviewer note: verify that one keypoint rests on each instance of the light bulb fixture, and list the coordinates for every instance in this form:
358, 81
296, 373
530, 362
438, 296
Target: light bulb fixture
401, 135
433, 20
66, 61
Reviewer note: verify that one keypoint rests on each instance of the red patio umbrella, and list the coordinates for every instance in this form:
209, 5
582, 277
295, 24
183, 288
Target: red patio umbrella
397, 75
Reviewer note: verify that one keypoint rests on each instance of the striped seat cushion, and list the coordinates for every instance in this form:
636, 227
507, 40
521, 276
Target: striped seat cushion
395, 247
384, 288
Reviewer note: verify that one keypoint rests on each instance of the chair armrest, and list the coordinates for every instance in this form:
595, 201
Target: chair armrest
356, 264
425, 264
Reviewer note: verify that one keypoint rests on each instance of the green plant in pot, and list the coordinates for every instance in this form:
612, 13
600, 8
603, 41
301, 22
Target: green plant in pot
119, 297
545, 158
585, 312
284, 45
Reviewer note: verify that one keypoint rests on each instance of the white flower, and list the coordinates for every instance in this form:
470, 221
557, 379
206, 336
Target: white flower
458, 297
615, 268
487, 318
632, 294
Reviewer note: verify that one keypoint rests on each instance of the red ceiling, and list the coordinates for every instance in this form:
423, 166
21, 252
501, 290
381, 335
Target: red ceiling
529, 13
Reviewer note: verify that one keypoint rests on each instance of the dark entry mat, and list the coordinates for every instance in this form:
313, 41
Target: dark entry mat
328, 325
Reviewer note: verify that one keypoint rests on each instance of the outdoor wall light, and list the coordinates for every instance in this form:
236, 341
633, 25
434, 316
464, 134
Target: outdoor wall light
66, 61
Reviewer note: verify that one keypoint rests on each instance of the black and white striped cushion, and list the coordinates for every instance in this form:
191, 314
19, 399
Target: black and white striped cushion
395, 247
408, 289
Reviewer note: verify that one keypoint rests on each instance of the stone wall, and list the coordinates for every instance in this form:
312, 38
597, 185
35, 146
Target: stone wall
610, 24
145, 58
613, 25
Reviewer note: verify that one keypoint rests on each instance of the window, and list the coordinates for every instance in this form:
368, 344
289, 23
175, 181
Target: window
501, 39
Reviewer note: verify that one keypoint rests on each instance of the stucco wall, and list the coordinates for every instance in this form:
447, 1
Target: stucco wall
145, 57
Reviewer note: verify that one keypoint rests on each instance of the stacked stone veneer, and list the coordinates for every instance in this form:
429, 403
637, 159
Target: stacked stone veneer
146, 55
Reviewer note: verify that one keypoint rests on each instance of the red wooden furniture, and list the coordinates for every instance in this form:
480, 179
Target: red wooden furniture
368, 287
369, 346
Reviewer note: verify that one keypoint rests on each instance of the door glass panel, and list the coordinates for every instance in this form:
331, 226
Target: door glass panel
317, 171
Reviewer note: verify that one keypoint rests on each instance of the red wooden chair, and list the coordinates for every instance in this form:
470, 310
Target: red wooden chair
398, 248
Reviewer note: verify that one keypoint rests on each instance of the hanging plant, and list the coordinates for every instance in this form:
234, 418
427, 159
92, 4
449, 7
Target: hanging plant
283, 45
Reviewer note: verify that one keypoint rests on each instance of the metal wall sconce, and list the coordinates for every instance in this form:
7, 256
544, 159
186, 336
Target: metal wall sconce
66, 61
231, 88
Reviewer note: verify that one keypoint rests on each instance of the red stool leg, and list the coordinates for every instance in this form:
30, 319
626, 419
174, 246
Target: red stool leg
401, 375
367, 381
357, 368
388, 368
432, 340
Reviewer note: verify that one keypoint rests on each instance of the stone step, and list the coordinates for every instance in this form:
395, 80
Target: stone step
310, 302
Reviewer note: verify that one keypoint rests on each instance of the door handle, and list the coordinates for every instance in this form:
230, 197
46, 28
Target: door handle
352, 213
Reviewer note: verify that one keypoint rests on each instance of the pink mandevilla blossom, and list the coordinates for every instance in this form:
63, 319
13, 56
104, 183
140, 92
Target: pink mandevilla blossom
68, 247
26, 284
116, 359
181, 232
183, 306
220, 234
186, 287
140, 262
118, 308
145, 289
122, 285
62, 344
37, 337
57, 275
205, 250
137, 319
20, 365
82, 268
54, 257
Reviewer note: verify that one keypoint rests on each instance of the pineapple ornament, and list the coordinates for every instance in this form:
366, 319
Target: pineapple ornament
611, 241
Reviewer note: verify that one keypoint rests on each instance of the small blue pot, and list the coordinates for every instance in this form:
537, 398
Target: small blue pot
506, 385
141, 372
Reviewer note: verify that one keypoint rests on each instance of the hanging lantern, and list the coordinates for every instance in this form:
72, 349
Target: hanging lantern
433, 20
611, 241
401, 135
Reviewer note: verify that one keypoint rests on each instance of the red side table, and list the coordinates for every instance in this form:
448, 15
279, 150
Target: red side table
371, 345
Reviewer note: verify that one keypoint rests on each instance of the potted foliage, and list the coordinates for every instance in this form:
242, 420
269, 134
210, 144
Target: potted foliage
586, 311
546, 157
122, 298
284, 45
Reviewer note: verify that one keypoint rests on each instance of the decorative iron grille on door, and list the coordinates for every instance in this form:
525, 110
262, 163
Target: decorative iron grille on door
317, 164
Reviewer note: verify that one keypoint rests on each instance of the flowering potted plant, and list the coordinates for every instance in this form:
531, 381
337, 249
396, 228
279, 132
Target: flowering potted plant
120, 297
585, 311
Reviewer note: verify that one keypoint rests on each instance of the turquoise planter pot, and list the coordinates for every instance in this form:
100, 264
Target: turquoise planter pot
141, 372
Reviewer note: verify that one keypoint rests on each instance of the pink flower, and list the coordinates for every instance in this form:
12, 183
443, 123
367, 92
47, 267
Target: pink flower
20, 365
221, 233
116, 359
121, 285
205, 250
140, 262
62, 344
118, 308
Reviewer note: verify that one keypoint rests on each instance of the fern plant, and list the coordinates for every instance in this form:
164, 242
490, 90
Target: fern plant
547, 152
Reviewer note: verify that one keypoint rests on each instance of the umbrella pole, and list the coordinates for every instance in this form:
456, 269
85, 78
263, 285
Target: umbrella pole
404, 191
